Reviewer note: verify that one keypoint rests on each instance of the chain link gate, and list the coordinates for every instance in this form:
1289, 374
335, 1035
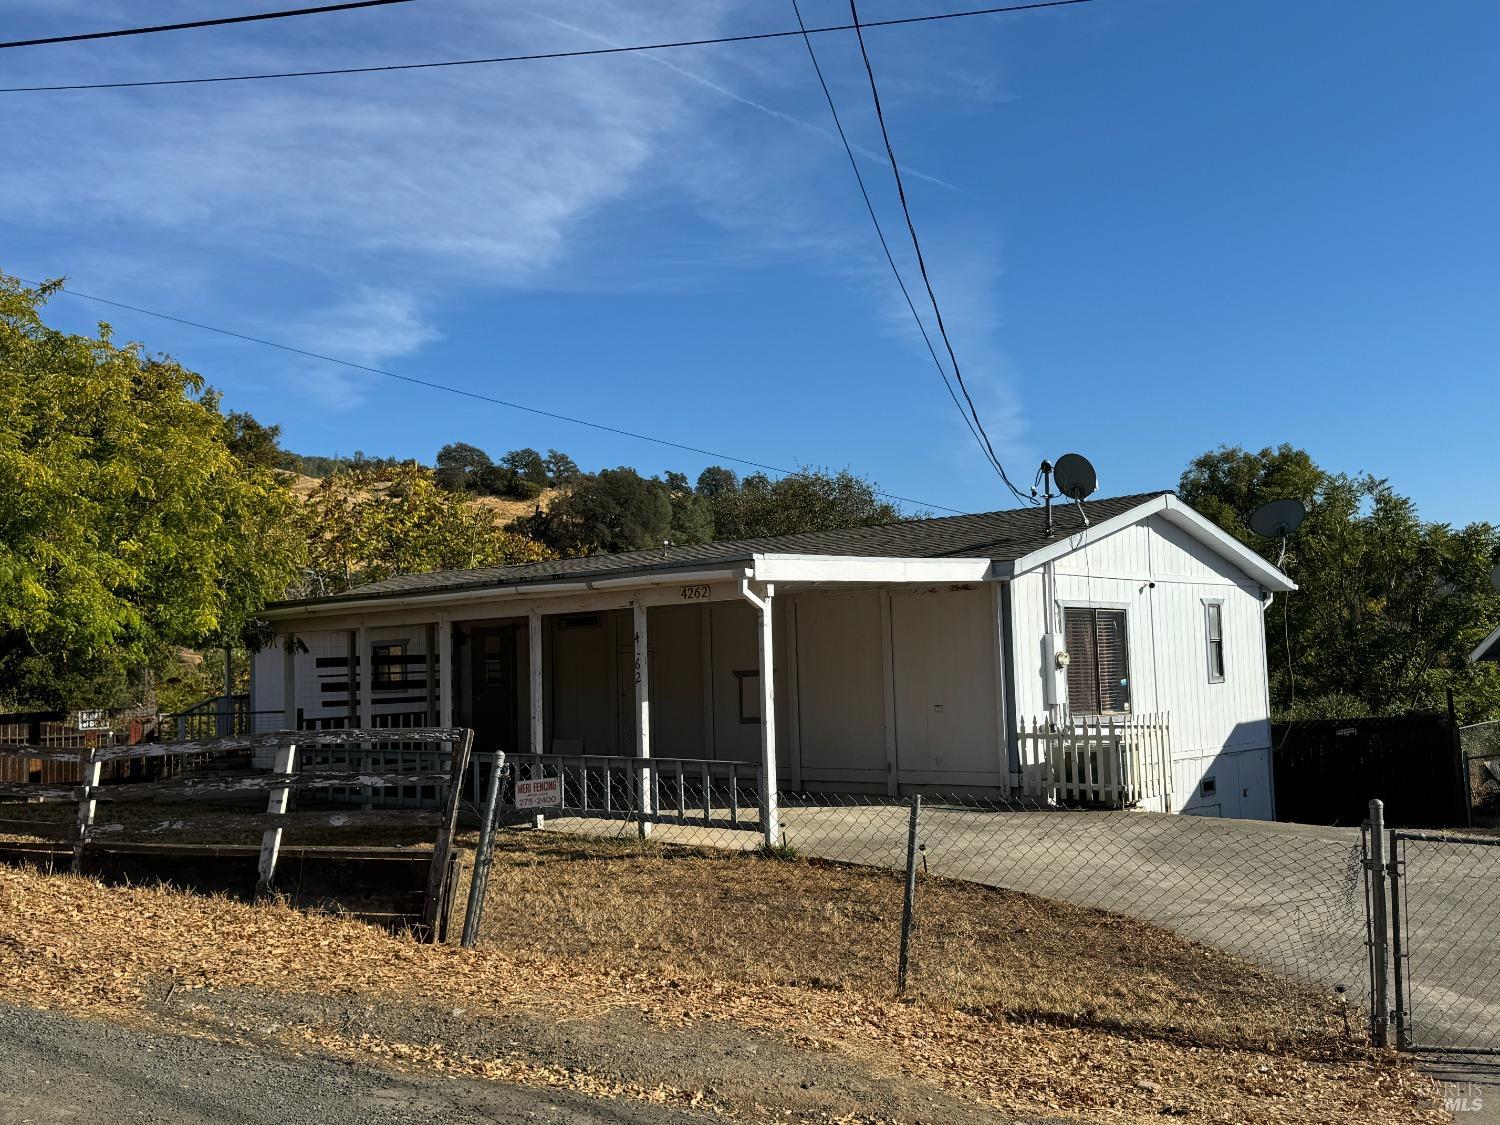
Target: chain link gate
1432, 914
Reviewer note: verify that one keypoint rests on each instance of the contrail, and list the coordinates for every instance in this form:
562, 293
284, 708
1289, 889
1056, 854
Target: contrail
876, 158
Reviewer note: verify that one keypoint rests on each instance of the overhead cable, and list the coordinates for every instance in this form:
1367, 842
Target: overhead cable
392, 67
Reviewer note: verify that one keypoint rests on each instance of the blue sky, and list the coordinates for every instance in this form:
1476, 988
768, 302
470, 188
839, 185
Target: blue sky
1154, 226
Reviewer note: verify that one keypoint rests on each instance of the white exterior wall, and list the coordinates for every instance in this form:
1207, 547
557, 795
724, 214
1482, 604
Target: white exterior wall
1219, 730
896, 689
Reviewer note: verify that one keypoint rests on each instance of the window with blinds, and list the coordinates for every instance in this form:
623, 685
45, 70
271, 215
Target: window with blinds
1098, 661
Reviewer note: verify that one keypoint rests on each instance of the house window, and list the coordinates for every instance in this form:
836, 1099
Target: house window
1213, 618
749, 687
388, 664
1098, 661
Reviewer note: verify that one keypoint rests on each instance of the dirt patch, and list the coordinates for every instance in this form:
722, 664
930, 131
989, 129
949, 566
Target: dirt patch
133, 953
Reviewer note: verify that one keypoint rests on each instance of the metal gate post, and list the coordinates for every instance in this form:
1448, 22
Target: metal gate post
909, 902
1379, 949
1396, 869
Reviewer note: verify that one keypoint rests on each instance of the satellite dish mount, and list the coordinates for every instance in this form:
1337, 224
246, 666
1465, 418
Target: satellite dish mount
1076, 480
1277, 519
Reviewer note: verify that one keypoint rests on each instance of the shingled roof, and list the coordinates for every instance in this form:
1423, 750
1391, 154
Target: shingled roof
1001, 536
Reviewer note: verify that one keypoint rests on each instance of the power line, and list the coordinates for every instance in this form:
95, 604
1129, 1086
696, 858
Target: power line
431, 385
200, 23
545, 55
922, 261
880, 234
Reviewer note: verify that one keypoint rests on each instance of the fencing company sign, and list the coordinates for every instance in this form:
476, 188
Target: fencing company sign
539, 793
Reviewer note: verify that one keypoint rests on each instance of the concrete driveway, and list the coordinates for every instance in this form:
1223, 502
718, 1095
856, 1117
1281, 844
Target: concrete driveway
1288, 897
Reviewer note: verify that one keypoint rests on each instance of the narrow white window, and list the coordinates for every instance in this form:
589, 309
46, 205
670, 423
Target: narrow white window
1213, 618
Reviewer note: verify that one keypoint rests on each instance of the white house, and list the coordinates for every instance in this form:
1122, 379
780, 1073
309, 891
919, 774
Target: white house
922, 655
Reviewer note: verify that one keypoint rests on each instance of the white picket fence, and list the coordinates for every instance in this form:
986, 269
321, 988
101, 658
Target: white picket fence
1124, 761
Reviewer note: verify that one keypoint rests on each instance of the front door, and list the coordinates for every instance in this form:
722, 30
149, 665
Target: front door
493, 676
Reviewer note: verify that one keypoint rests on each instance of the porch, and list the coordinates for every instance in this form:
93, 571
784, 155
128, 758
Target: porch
698, 692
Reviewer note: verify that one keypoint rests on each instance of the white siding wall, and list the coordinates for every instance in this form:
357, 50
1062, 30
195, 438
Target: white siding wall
904, 674
1219, 730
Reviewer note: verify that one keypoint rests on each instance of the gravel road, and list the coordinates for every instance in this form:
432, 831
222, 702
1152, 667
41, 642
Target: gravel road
56, 1069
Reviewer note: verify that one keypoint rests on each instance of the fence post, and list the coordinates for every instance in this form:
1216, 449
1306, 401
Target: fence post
911, 891
270, 841
483, 856
1395, 867
1380, 1017
92, 771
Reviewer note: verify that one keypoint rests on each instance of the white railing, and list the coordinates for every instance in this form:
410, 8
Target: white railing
1120, 760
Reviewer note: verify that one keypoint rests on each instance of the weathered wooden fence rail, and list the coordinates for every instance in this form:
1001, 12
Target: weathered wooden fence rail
284, 779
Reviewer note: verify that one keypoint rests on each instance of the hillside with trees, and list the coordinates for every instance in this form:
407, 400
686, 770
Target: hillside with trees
142, 526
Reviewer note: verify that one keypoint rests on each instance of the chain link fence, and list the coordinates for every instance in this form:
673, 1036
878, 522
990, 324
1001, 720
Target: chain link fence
675, 867
1447, 941
1480, 747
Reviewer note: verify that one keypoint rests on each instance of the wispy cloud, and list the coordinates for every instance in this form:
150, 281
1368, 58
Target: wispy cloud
341, 214
829, 135
371, 326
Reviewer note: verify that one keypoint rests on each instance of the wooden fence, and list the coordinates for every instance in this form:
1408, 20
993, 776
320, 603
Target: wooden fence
1119, 760
1328, 770
87, 790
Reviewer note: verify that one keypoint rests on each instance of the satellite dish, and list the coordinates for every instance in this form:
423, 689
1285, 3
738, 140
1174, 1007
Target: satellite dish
1075, 477
1278, 518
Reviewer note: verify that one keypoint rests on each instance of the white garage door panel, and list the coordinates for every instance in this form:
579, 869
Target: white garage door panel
944, 653
840, 698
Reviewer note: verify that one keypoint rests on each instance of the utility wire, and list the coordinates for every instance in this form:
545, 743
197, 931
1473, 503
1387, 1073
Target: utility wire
922, 262
201, 23
431, 385
880, 234
544, 55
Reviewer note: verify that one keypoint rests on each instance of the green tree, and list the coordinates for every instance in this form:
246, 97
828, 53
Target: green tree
134, 517
363, 526
692, 515
613, 510
562, 470
716, 480
462, 467
256, 445
1388, 606
808, 500
528, 465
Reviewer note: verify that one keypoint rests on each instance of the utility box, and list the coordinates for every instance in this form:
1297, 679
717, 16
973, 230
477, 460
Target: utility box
1054, 670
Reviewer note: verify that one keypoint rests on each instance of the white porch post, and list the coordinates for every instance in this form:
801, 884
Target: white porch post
289, 682
643, 709
445, 670
445, 682
538, 710
361, 679
770, 816
362, 675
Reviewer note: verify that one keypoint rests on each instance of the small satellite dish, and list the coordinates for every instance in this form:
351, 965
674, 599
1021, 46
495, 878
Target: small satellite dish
1278, 518
1075, 477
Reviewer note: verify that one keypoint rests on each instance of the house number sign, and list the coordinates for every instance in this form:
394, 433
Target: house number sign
697, 593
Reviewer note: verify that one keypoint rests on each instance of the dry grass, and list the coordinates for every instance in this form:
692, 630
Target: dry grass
1019, 1006
707, 913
